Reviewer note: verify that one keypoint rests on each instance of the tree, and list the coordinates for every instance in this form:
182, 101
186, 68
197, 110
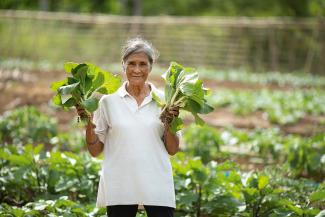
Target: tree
43, 5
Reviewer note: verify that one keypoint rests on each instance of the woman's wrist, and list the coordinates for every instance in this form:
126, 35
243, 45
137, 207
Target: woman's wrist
94, 141
90, 125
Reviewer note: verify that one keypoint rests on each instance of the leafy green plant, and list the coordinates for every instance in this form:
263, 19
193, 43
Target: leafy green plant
308, 203
206, 190
221, 190
203, 141
55, 183
306, 156
29, 173
263, 200
26, 125
60, 207
79, 89
22, 168
183, 89
301, 156
68, 141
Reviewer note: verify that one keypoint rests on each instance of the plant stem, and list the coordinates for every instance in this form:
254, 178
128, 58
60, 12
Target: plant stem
37, 175
174, 97
258, 206
198, 211
179, 100
168, 104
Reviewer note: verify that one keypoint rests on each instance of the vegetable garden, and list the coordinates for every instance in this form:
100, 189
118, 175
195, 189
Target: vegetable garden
261, 153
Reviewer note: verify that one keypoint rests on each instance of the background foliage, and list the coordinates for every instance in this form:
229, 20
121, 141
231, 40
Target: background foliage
295, 8
262, 156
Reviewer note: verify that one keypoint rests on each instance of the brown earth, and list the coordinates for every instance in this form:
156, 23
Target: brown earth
35, 91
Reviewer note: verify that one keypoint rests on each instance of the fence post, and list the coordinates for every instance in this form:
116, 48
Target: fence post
273, 50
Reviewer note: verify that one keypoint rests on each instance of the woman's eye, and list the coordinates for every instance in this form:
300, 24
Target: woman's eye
143, 64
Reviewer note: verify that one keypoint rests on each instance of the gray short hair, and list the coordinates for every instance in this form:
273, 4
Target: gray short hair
137, 45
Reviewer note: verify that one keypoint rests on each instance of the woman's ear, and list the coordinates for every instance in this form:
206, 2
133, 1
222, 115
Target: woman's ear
123, 66
150, 68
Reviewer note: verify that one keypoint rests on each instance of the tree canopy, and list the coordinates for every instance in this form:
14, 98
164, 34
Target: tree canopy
294, 8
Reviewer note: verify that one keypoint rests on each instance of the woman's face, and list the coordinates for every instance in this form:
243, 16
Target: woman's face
137, 68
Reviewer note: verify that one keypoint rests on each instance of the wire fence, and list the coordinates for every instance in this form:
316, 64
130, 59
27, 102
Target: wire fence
258, 44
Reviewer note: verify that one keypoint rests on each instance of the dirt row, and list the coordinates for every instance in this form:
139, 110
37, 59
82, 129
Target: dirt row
36, 92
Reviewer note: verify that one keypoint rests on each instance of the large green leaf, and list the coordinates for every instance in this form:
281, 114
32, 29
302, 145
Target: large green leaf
56, 85
82, 67
68, 89
205, 109
193, 91
69, 66
198, 119
176, 125
72, 80
169, 92
317, 196
262, 181
295, 209
20, 160
193, 107
93, 70
172, 73
250, 194
187, 76
38, 149
157, 99
70, 102
98, 81
57, 99
88, 84
112, 83
81, 75
90, 104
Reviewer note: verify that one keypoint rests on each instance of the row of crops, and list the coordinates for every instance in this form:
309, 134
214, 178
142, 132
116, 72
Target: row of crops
220, 172
56, 179
280, 107
65, 183
293, 79
297, 79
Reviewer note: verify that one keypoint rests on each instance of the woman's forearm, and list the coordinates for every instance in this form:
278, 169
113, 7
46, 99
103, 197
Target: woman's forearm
171, 142
94, 145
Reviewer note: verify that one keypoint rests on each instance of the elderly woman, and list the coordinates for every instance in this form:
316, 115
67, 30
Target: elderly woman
127, 128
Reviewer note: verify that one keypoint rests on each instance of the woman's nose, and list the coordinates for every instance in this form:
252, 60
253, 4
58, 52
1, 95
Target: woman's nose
137, 68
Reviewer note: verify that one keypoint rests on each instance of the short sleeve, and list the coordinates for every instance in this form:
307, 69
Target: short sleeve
101, 121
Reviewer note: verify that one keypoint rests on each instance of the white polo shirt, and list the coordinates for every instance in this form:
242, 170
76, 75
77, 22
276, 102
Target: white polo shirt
136, 168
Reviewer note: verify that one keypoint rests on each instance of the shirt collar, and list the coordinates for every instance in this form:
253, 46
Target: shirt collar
122, 92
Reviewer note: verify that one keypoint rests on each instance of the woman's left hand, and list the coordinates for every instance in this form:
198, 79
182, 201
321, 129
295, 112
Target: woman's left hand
169, 114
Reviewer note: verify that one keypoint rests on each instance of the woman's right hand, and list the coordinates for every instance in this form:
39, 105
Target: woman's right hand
84, 115
81, 111
95, 146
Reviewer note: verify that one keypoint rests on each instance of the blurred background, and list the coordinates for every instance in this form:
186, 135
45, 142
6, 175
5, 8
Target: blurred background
262, 152
270, 35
